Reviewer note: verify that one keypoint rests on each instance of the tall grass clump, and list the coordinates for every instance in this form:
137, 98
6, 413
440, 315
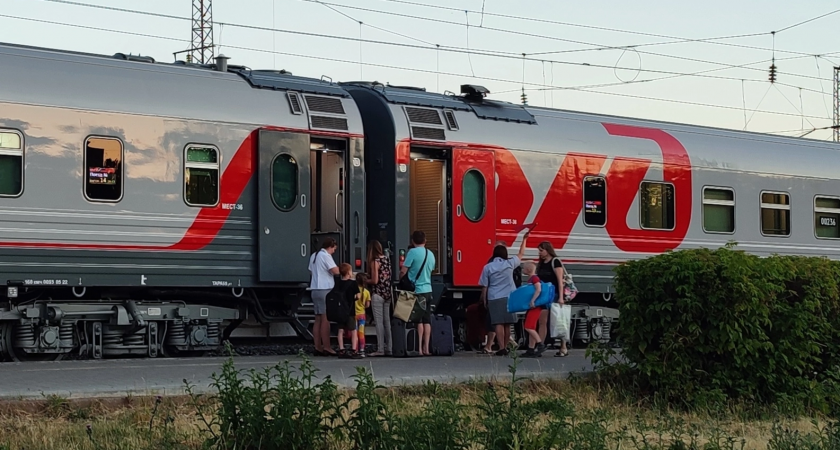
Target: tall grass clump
274, 408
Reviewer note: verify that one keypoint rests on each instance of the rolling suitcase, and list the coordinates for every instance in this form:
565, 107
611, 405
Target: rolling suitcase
476, 321
404, 340
442, 342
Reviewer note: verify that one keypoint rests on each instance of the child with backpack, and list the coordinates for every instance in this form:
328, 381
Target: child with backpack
536, 346
349, 289
361, 304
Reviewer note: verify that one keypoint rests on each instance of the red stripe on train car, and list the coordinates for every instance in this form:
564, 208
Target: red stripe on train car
209, 221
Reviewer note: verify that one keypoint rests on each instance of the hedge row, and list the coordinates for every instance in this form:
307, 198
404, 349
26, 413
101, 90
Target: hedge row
730, 325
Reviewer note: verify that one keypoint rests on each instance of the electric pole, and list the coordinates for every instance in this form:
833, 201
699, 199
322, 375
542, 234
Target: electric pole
836, 125
202, 50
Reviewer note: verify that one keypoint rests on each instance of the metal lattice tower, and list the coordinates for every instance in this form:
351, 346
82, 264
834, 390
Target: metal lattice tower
202, 50
836, 124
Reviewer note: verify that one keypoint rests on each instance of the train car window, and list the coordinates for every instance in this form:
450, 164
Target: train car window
718, 210
11, 163
827, 217
103, 169
201, 175
594, 201
473, 195
775, 214
656, 206
284, 182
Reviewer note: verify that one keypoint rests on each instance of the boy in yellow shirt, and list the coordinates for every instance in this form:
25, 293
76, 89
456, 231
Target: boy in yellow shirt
362, 302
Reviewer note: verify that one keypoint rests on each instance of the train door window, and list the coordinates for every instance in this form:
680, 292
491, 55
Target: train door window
103, 169
656, 206
827, 217
201, 175
11, 163
474, 195
594, 201
718, 210
284, 182
775, 214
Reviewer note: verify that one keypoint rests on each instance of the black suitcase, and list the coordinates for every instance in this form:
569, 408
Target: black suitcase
404, 340
442, 342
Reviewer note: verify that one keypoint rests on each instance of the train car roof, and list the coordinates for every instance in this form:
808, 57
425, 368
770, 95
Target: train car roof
483, 109
259, 79
510, 112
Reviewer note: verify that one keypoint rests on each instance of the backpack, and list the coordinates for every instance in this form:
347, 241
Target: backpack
339, 308
570, 291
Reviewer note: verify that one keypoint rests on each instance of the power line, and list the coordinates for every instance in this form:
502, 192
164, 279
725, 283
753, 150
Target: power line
414, 46
808, 21
676, 39
624, 83
598, 47
321, 58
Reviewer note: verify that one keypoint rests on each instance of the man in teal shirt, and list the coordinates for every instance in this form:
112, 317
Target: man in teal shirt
422, 283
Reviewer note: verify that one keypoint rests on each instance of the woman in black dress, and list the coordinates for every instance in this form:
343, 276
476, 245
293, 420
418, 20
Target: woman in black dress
550, 270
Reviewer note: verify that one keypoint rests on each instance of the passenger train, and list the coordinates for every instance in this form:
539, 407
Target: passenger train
153, 208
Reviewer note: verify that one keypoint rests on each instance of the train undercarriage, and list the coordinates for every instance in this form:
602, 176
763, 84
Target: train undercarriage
48, 325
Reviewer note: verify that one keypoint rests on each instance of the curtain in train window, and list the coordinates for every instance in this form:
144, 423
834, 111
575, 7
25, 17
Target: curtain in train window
284, 182
473, 195
718, 210
827, 217
595, 201
11, 163
103, 169
656, 206
775, 214
201, 176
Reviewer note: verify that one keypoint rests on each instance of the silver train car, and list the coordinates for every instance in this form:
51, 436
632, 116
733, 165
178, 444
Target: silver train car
150, 208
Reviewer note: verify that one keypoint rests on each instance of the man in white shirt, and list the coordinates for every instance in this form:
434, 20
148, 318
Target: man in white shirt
323, 270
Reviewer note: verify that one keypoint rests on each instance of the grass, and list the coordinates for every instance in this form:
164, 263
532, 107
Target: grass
125, 424
263, 409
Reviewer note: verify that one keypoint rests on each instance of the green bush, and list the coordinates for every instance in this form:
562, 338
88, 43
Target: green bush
706, 326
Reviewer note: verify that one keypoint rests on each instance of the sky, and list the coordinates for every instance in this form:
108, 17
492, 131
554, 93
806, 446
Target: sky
630, 59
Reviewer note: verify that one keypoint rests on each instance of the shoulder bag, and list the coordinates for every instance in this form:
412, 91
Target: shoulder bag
406, 284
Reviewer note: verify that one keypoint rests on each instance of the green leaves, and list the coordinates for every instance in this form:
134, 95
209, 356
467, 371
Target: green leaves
698, 322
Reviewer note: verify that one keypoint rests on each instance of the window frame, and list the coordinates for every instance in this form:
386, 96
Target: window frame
731, 203
583, 200
639, 192
197, 165
484, 194
19, 152
85, 169
297, 182
818, 210
787, 207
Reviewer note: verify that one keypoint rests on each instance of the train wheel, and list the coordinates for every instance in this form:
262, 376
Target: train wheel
6, 342
8, 353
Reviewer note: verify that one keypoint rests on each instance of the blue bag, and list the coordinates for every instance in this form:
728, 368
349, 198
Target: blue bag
520, 299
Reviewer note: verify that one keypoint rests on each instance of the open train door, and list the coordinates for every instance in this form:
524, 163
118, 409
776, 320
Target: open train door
473, 213
283, 186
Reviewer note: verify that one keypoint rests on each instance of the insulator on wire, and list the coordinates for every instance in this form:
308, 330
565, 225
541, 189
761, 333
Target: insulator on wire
524, 98
773, 73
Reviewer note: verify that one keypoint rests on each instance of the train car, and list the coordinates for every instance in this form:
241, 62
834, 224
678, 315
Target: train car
470, 171
150, 208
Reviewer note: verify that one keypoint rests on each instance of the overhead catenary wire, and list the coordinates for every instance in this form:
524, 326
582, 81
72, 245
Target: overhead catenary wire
418, 70
451, 49
532, 54
676, 39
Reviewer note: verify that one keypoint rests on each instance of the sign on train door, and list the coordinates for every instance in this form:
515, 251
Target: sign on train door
473, 213
283, 223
